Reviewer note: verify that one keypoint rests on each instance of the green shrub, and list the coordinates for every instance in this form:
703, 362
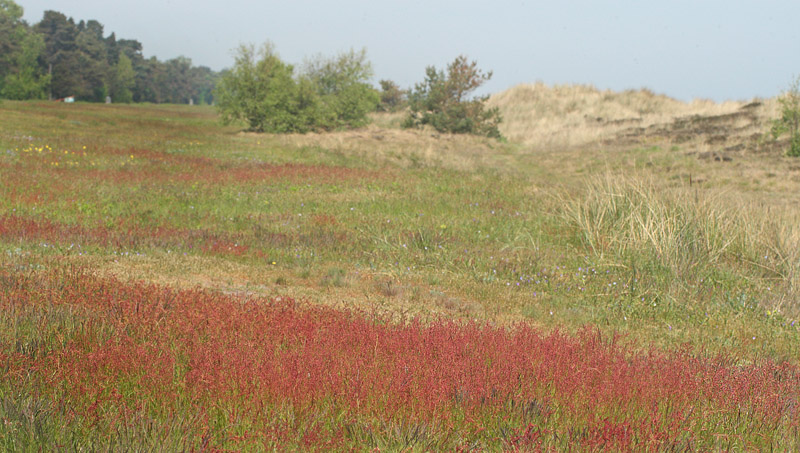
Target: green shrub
342, 84
442, 101
790, 118
393, 98
264, 92
261, 91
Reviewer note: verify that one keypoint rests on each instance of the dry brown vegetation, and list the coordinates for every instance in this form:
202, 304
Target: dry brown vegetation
578, 115
405, 148
672, 164
578, 129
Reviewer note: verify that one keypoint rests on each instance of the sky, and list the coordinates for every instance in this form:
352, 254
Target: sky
686, 49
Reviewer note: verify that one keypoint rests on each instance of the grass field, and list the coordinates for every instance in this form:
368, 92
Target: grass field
169, 283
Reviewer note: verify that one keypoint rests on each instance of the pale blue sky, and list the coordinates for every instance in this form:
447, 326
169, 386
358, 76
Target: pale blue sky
686, 49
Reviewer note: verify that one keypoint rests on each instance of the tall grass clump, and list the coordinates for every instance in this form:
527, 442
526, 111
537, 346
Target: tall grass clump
776, 235
685, 232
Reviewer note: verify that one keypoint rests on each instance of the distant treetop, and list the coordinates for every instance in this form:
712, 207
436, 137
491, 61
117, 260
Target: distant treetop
58, 57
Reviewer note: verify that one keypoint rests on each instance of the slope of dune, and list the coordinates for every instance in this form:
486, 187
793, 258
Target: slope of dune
579, 115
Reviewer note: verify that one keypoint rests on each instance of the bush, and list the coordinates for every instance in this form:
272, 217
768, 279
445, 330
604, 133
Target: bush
442, 101
342, 84
260, 90
392, 97
264, 92
790, 118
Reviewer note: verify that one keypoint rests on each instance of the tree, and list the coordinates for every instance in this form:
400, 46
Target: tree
95, 69
177, 86
12, 31
442, 101
790, 117
27, 81
343, 85
123, 79
21, 76
61, 58
202, 81
132, 49
62, 54
261, 91
149, 77
264, 92
392, 97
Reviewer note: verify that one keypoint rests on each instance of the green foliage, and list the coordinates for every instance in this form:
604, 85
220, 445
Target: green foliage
264, 92
442, 101
392, 97
26, 80
62, 56
342, 84
789, 122
261, 90
10, 10
123, 79
11, 32
76, 59
20, 49
95, 68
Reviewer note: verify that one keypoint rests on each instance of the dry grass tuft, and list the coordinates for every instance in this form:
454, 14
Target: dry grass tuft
389, 288
688, 231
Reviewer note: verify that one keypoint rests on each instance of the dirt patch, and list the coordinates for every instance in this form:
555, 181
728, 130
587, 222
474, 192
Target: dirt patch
714, 155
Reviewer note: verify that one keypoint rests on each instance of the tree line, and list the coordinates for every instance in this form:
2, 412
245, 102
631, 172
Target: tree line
58, 57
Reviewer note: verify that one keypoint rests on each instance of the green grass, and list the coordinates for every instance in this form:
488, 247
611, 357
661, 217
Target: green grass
166, 194
627, 255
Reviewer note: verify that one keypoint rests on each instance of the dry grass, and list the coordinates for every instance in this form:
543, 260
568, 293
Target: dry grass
363, 291
388, 145
686, 230
578, 115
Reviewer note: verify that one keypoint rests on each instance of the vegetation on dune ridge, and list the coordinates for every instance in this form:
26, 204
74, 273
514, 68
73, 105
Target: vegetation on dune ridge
166, 280
581, 115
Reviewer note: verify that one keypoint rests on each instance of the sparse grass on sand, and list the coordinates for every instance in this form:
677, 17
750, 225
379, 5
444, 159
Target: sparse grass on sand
564, 116
169, 281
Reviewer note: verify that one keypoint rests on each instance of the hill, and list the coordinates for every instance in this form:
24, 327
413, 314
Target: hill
562, 116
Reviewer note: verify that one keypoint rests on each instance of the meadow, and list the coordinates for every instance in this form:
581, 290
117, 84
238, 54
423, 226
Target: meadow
619, 278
